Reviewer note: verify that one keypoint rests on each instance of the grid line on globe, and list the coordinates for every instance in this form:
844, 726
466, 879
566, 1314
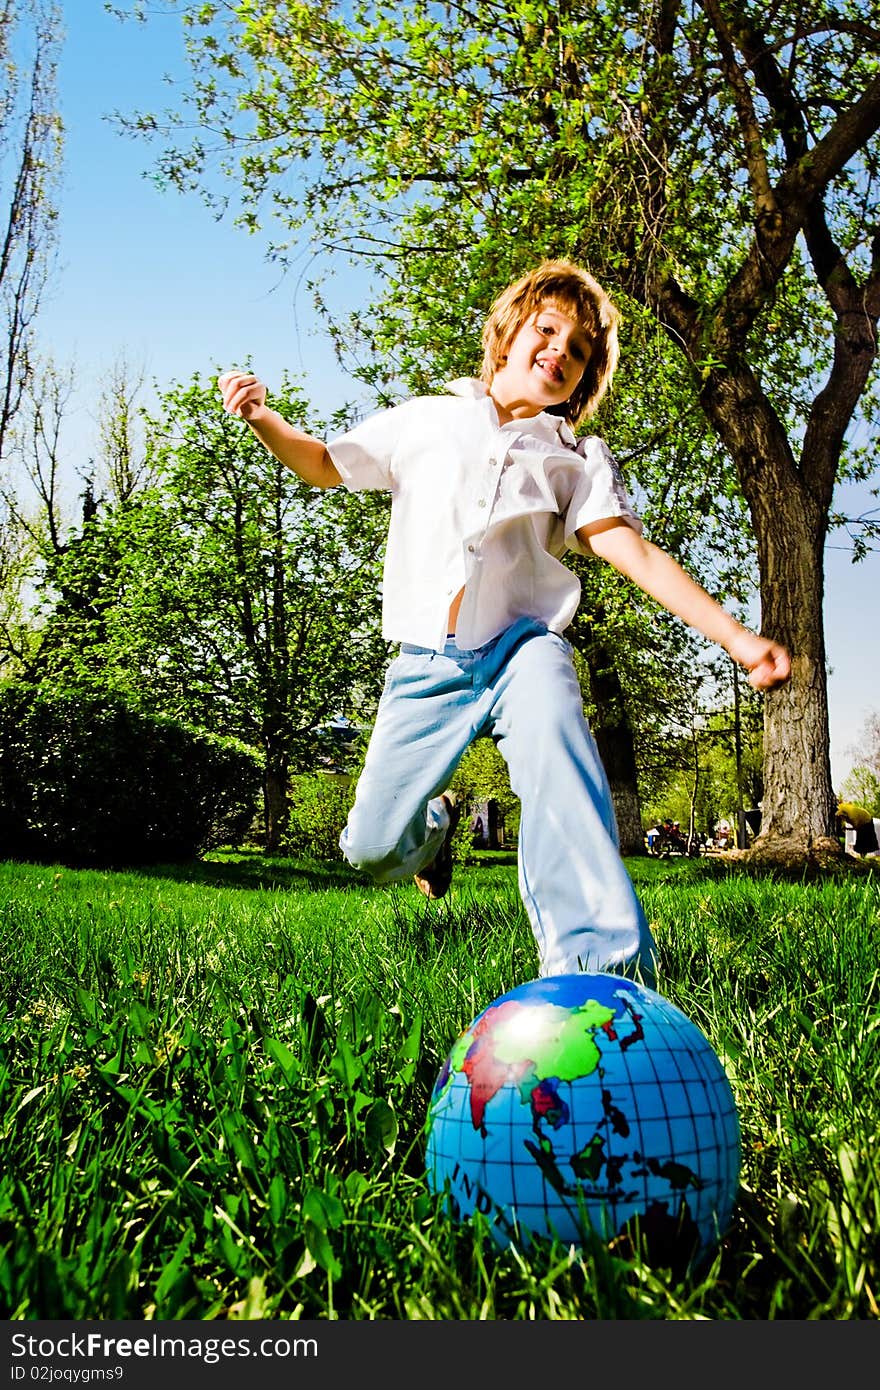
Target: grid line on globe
586, 1104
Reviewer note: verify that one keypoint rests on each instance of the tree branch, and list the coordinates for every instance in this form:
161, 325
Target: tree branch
750, 126
798, 205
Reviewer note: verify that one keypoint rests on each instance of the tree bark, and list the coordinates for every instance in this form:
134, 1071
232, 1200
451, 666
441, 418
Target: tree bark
276, 806
613, 733
618, 758
790, 521
799, 807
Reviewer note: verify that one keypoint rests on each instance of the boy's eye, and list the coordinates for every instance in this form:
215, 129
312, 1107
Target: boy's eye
549, 329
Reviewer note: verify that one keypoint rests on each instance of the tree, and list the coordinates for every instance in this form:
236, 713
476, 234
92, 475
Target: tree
40, 538
124, 449
712, 765
34, 536
16, 563
30, 157
717, 165
228, 595
862, 786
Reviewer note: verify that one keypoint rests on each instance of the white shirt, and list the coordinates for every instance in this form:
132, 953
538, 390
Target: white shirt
481, 506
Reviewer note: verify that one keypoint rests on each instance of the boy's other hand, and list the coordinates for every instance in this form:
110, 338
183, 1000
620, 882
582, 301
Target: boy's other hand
768, 663
243, 394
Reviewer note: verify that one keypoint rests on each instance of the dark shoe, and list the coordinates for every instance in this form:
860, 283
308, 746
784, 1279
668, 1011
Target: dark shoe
434, 879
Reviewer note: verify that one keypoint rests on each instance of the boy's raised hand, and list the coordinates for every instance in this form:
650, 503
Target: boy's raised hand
243, 393
768, 663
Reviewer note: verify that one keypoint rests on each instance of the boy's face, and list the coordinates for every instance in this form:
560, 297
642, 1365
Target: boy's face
545, 361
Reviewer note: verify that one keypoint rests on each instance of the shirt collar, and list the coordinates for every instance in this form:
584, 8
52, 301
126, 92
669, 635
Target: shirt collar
544, 425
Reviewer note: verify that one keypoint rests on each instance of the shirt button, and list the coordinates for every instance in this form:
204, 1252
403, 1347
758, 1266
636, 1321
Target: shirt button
471, 549
482, 502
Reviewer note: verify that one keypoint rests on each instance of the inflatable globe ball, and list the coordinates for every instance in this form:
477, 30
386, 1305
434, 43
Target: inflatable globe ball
587, 1104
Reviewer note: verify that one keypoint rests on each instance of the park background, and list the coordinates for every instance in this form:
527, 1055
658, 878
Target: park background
150, 274
215, 1073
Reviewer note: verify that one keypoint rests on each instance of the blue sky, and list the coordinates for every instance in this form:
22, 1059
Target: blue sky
150, 275
148, 272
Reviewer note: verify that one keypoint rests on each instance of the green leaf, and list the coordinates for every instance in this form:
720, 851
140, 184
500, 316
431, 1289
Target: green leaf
279, 1199
321, 1249
346, 1065
283, 1056
172, 1269
322, 1210
381, 1127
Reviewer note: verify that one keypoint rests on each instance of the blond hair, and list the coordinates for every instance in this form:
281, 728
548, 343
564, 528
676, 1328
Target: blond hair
567, 287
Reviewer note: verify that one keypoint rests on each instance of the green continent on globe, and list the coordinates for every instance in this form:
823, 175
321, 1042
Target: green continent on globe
527, 1044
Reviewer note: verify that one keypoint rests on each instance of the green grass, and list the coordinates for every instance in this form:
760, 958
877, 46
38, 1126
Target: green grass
214, 1081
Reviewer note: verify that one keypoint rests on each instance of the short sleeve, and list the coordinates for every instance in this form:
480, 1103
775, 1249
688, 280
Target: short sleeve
364, 456
598, 494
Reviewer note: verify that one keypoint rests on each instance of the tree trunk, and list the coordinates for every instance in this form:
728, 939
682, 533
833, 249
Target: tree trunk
614, 739
276, 808
618, 758
790, 522
799, 806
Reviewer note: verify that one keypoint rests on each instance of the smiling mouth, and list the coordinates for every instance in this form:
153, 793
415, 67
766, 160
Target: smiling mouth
551, 370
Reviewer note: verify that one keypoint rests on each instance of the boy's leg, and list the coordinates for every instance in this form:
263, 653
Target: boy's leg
424, 722
580, 900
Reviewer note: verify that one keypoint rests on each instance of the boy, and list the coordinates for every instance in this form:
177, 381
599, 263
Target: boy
489, 488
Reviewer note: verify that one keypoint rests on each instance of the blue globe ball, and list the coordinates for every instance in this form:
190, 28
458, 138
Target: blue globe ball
585, 1104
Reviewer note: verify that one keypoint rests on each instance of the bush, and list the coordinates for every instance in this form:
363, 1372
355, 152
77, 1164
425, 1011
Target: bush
87, 780
319, 806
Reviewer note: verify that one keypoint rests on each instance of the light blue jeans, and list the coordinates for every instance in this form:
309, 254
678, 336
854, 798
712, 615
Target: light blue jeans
520, 689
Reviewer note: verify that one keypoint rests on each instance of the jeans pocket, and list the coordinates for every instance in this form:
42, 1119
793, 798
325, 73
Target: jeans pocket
406, 666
